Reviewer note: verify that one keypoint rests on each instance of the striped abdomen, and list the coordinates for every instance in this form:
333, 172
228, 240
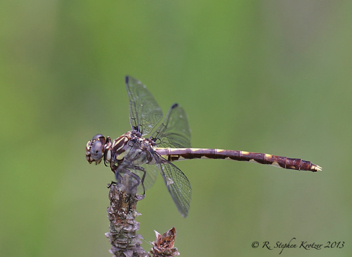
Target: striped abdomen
175, 154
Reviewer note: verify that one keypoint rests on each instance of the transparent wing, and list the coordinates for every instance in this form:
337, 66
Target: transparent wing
177, 183
174, 131
152, 175
145, 112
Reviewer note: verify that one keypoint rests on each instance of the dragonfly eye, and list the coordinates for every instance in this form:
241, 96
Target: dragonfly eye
95, 149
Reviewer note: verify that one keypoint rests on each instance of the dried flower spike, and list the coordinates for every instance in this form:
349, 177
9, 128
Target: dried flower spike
123, 227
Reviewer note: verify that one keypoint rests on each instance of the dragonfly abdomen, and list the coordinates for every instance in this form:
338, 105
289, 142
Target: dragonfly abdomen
176, 154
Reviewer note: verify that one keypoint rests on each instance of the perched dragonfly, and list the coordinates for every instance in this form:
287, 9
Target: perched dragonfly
139, 155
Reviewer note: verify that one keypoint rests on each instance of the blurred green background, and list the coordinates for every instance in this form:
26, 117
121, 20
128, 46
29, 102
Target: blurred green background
263, 76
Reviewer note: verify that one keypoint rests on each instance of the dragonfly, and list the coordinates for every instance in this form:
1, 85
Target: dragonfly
137, 156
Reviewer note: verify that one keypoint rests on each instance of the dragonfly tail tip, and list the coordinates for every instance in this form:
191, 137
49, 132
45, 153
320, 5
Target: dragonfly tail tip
317, 168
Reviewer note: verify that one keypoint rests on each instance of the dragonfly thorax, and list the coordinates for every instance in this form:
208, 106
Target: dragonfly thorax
133, 145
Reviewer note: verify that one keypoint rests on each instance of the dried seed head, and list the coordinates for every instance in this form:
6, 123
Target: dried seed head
164, 244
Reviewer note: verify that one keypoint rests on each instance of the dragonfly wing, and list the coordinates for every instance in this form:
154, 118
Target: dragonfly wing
145, 112
177, 183
174, 131
151, 175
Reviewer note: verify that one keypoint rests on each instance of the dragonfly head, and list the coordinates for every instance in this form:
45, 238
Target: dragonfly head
97, 148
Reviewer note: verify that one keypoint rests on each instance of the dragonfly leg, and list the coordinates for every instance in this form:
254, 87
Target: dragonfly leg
139, 179
112, 183
128, 181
